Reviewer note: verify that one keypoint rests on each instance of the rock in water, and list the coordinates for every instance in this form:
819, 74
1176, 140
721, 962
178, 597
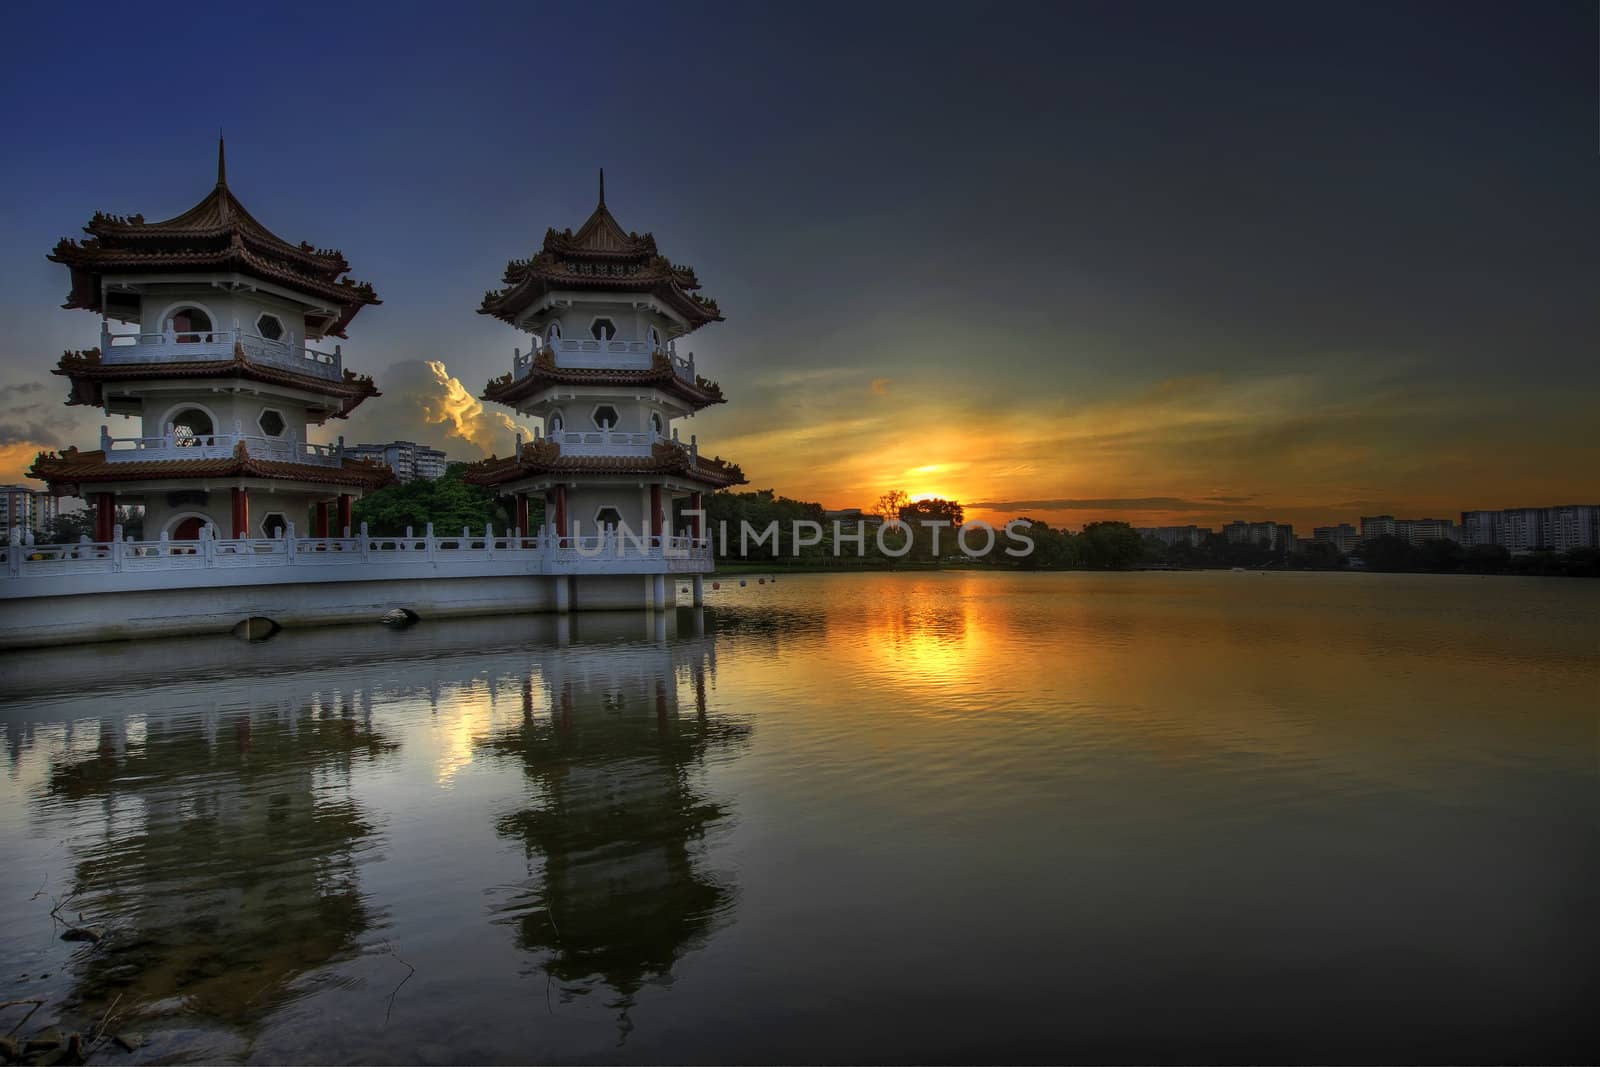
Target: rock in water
400, 617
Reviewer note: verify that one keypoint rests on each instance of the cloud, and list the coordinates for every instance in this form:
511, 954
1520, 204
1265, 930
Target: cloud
1136, 503
20, 417
422, 401
880, 386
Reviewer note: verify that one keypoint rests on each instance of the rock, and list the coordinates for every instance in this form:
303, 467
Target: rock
81, 933
129, 1042
399, 617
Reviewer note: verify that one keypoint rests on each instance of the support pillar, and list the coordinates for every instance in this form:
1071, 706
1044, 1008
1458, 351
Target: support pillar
105, 516
320, 519
523, 511
561, 515
655, 511
346, 514
696, 503
699, 591
563, 594
658, 592
241, 513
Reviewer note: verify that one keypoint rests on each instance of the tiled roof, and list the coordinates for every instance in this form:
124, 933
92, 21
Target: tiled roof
544, 457
216, 234
73, 467
88, 372
600, 256
543, 373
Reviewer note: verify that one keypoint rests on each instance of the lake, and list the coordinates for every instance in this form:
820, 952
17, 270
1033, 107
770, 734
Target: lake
950, 816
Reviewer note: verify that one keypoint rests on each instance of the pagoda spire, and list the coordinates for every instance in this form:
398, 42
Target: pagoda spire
602, 187
222, 162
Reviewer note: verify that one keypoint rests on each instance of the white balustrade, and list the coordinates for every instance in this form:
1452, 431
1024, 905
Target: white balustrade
574, 353
205, 346
604, 442
288, 557
216, 446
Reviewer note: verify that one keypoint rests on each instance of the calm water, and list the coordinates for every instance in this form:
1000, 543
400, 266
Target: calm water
840, 817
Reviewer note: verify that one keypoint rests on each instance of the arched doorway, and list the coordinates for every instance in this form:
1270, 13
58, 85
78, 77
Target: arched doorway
191, 325
187, 530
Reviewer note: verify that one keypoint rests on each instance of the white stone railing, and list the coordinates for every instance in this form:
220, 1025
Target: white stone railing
604, 442
172, 346
361, 557
586, 353
216, 446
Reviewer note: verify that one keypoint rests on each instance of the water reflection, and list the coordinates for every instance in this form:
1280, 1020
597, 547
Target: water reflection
226, 868
612, 740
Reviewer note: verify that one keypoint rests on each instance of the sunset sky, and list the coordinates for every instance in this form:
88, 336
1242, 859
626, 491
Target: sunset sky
1161, 263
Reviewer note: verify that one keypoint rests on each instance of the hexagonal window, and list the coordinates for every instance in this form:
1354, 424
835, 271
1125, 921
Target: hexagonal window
607, 517
603, 329
605, 417
270, 327
272, 423
273, 523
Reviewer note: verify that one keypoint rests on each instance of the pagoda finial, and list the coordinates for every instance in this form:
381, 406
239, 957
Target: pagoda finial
602, 187
222, 160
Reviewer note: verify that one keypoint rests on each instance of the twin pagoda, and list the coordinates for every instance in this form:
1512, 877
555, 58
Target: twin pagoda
225, 342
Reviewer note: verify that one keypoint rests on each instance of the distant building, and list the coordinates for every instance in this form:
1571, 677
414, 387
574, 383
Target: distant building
1278, 536
407, 459
1412, 531
1344, 537
25, 507
1193, 536
1561, 528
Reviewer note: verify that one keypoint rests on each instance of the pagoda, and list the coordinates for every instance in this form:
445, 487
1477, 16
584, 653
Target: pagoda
605, 310
218, 368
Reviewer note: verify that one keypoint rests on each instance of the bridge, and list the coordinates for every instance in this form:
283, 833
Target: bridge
122, 588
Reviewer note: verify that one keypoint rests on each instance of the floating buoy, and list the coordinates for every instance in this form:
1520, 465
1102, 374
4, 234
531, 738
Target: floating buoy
716, 585
761, 581
743, 582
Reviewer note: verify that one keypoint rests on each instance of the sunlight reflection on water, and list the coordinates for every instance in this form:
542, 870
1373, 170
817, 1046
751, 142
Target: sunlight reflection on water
943, 816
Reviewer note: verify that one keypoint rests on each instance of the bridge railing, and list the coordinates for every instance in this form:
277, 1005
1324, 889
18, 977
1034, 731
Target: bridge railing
523, 552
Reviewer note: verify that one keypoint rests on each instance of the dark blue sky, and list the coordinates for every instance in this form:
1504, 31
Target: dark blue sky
1256, 231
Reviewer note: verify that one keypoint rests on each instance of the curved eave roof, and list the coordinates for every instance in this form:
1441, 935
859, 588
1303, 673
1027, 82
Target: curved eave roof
545, 374
72, 467
217, 234
545, 457
601, 256
88, 375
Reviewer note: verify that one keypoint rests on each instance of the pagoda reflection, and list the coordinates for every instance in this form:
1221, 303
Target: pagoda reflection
615, 740
224, 868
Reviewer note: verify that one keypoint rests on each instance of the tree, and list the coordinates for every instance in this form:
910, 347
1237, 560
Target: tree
1111, 544
890, 504
448, 502
70, 527
933, 510
1388, 553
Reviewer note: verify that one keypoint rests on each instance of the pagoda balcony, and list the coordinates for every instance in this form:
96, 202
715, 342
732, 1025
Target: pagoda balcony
587, 353
208, 346
605, 442
217, 446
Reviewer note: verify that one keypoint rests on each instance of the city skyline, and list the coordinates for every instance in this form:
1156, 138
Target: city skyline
1334, 313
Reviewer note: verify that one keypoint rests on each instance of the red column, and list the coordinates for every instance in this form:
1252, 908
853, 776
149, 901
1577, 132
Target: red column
241, 513
522, 513
105, 516
561, 515
655, 511
695, 504
346, 523
321, 519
